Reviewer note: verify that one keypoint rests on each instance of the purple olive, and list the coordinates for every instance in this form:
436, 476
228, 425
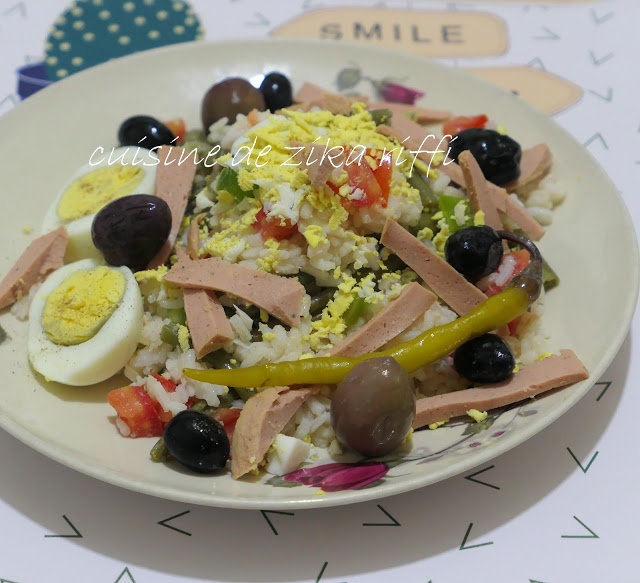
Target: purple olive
373, 407
131, 230
229, 98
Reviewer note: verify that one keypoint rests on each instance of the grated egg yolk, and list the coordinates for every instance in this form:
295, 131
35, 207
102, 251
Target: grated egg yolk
89, 193
82, 304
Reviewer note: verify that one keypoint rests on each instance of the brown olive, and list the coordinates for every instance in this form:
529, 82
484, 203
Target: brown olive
373, 407
229, 98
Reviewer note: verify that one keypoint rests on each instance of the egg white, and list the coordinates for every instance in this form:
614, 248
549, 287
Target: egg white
80, 245
100, 357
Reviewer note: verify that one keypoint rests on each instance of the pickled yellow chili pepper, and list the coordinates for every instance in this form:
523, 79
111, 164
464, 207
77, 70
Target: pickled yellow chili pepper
435, 343
430, 346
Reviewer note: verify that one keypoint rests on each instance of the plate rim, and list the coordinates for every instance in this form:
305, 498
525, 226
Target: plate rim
574, 394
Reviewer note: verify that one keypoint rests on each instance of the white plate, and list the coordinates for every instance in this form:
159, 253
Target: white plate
46, 138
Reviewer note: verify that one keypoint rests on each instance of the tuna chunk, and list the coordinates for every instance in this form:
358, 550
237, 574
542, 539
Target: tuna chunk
206, 320
43, 255
312, 95
336, 104
416, 139
478, 192
460, 295
534, 166
279, 296
193, 236
500, 200
393, 319
517, 213
320, 165
173, 185
309, 92
550, 373
264, 416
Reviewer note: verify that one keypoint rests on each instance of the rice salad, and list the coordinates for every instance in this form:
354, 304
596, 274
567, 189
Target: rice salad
263, 197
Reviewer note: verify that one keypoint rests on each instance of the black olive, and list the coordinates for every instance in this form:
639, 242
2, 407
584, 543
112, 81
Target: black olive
131, 230
276, 90
497, 155
485, 359
474, 251
197, 441
144, 131
229, 98
373, 407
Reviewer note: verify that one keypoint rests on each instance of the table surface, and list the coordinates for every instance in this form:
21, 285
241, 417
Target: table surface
561, 508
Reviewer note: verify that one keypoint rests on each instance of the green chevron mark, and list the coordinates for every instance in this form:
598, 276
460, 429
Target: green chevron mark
535, 581
311, 5
597, 61
321, 573
608, 96
393, 522
324, 566
259, 20
128, 573
548, 35
592, 535
75, 530
12, 99
19, 7
584, 469
265, 512
471, 477
537, 64
596, 137
7, 581
463, 544
599, 19
164, 522
606, 384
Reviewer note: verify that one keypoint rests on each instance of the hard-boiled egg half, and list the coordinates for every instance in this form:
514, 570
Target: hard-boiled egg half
84, 323
108, 175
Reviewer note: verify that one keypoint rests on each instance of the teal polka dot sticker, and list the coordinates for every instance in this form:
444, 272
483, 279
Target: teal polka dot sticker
90, 32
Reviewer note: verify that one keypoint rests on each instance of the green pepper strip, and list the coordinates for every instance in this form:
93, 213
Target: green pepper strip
431, 345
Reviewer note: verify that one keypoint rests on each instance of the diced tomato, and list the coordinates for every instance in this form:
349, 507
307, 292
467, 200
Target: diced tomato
456, 124
383, 172
514, 262
373, 184
136, 408
273, 227
228, 418
167, 384
178, 127
252, 117
165, 416
361, 177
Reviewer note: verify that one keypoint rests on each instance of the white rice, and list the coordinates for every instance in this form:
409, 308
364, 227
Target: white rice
335, 250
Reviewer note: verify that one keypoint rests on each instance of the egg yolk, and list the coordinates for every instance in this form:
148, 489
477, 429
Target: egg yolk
89, 193
76, 310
